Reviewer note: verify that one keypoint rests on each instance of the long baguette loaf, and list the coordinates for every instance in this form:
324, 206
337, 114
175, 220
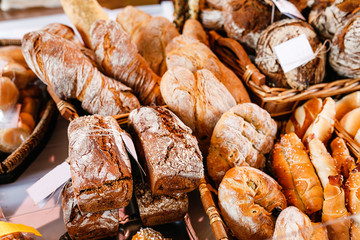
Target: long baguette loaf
119, 58
61, 65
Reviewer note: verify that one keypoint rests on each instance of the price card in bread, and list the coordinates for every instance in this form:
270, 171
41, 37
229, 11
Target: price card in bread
288, 9
294, 53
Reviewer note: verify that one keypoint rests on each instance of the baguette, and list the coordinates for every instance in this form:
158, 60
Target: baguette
296, 174
61, 65
119, 58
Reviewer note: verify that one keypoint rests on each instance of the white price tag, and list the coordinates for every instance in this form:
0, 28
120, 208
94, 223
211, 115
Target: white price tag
288, 9
129, 145
10, 118
48, 184
294, 53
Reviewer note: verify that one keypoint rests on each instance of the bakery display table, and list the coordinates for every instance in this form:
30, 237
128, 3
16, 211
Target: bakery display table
16, 204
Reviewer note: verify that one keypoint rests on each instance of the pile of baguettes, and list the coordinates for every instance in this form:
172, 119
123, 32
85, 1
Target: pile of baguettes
139, 60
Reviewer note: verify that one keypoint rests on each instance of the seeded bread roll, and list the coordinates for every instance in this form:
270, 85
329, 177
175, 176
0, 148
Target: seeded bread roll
84, 226
301, 77
100, 166
160, 209
148, 234
171, 154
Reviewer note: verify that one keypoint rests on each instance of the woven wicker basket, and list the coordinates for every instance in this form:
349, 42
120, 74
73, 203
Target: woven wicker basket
277, 101
15, 163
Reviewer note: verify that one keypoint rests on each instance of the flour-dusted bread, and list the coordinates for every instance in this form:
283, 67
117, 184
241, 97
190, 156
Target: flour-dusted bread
100, 166
84, 226
301, 77
170, 152
242, 136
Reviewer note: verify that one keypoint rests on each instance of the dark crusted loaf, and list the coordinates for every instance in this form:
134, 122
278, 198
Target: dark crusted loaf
159, 209
100, 166
87, 225
171, 154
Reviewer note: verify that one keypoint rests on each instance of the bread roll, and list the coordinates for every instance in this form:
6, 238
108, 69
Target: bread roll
334, 208
83, 14
301, 77
99, 164
293, 224
111, 43
324, 164
14, 53
351, 122
147, 234
247, 198
86, 226
347, 103
296, 174
198, 99
344, 52
323, 125
61, 65
194, 29
12, 138
242, 136
327, 16
150, 34
9, 94
190, 53
171, 154
304, 116
343, 160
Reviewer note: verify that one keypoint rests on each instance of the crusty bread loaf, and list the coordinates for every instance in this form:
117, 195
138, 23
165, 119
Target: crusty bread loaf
190, 53
247, 198
99, 164
119, 58
323, 125
300, 78
198, 99
83, 13
242, 136
84, 226
171, 154
150, 34
194, 29
61, 65
9, 94
296, 174
343, 160
347, 103
344, 56
159, 209
351, 122
293, 224
334, 208
64, 31
304, 116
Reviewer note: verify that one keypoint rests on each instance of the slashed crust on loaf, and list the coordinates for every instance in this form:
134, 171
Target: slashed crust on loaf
100, 166
241, 137
171, 154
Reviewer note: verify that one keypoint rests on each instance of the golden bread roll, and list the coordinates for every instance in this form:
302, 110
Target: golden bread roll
296, 174
83, 13
347, 103
247, 199
9, 94
352, 189
147, 234
324, 164
12, 138
242, 136
194, 29
304, 116
323, 125
343, 160
27, 122
334, 208
293, 224
17, 72
351, 122
14, 53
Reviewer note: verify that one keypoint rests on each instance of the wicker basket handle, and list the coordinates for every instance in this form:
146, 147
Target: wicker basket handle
251, 71
216, 222
66, 109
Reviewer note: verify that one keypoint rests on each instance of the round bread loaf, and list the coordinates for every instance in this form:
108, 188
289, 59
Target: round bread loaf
344, 55
247, 199
293, 224
242, 136
328, 15
301, 77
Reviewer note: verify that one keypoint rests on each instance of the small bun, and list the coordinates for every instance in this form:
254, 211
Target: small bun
351, 122
9, 94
